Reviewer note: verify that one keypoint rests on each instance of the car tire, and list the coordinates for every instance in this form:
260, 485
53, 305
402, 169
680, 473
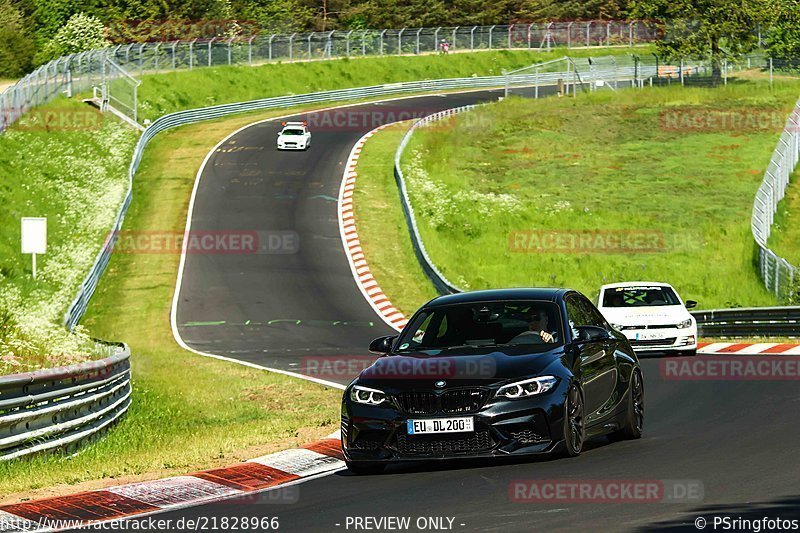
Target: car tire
365, 467
690, 353
633, 423
574, 422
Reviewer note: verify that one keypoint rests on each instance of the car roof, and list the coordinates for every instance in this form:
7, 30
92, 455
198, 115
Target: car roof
302, 124
498, 295
635, 284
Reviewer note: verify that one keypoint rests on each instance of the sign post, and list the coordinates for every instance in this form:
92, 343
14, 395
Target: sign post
34, 237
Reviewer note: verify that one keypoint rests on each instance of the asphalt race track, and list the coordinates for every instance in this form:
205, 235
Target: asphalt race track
280, 306
737, 440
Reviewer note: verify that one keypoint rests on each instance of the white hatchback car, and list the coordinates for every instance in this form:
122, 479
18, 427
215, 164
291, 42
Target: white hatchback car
294, 136
651, 315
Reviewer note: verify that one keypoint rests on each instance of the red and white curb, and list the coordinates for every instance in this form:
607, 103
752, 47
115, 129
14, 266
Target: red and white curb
242, 481
352, 245
762, 348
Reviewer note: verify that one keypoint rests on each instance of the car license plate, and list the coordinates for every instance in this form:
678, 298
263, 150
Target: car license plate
648, 336
441, 425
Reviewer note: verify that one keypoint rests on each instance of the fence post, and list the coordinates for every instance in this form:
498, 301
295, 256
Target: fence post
569, 35
630, 34
681, 67
400, 42
382, 34
211, 42
191, 58
770, 72
588, 30
291, 47
472, 38
454, 38
347, 46
272, 36
510, 29
310, 36
364, 43
491, 30
418, 32
529, 35
230, 42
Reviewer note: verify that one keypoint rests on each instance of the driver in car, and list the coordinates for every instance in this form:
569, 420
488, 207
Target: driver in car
537, 330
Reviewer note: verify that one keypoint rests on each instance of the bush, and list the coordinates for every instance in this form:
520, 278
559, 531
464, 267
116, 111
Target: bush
81, 33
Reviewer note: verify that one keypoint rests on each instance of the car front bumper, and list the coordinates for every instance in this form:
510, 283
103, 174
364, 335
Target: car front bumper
502, 428
291, 147
661, 340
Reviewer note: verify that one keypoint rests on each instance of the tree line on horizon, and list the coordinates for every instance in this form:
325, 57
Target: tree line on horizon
33, 32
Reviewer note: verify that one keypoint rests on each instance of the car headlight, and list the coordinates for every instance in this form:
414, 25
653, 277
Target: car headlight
685, 324
367, 396
527, 387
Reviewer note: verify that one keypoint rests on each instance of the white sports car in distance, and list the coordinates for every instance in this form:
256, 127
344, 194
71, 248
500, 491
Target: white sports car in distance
294, 136
651, 315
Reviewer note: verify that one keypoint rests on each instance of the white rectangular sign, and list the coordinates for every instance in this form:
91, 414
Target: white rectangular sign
34, 235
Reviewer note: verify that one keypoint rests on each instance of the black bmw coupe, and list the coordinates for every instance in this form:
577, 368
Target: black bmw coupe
493, 373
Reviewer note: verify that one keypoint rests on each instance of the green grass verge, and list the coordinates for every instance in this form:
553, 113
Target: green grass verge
173, 91
68, 164
381, 226
188, 412
784, 239
599, 162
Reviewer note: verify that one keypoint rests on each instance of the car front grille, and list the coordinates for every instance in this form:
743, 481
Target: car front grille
457, 401
465, 443
418, 403
463, 400
527, 436
653, 342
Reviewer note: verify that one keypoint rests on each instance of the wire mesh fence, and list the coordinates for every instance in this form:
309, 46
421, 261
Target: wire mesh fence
81, 72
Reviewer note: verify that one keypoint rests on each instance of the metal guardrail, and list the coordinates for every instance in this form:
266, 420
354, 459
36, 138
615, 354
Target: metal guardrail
181, 118
63, 408
749, 322
79, 72
777, 273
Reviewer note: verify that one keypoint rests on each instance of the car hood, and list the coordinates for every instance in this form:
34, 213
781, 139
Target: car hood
462, 367
646, 316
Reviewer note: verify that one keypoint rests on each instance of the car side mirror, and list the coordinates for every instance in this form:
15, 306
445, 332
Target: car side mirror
592, 334
382, 345
691, 304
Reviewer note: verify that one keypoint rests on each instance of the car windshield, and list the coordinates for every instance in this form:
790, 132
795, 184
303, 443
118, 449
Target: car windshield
484, 324
640, 297
292, 132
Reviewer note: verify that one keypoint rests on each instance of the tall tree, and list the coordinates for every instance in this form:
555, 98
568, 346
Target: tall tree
783, 40
714, 29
